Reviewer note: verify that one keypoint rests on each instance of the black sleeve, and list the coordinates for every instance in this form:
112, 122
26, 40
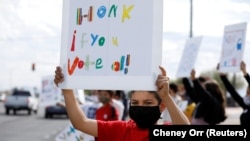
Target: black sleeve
247, 77
189, 90
232, 91
214, 111
202, 94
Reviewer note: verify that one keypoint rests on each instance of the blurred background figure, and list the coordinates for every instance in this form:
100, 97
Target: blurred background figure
120, 95
244, 102
174, 92
209, 99
92, 96
107, 112
188, 95
91, 104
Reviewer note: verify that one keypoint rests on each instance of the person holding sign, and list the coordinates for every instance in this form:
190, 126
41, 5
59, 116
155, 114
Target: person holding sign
145, 110
209, 99
244, 102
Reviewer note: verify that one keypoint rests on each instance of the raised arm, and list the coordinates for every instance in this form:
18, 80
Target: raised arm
177, 116
189, 89
244, 71
201, 93
76, 115
232, 91
236, 96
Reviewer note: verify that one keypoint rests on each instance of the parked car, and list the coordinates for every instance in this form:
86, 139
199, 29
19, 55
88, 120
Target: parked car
57, 109
21, 100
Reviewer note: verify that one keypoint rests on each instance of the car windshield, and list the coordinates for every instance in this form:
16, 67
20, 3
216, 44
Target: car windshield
22, 93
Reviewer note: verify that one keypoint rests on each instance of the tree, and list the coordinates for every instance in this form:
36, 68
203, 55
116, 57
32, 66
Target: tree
236, 79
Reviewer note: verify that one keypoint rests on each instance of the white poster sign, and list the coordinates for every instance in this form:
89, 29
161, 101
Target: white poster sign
189, 56
111, 44
72, 134
50, 93
233, 47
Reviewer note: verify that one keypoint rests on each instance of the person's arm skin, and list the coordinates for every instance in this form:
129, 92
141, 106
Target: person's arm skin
162, 83
76, 115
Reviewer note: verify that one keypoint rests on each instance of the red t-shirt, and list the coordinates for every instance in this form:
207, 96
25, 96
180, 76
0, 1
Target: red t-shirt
121, 131
107, 113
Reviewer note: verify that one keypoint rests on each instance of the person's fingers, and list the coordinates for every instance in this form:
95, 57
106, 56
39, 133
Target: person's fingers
56, 82
161, 81
58, 68
163, 71
59, 77
218, 66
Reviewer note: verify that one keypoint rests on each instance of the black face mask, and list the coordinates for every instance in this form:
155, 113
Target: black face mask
144, 116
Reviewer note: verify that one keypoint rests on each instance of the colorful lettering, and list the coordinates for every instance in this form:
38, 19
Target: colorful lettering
119, 66
116, 66
81, 64
115, 41
94, 38
79, 16
72, 68
73, 42
101, 40
114, 9
128, 60
126, 12
98, 64
83, 40
122, 62
101, 11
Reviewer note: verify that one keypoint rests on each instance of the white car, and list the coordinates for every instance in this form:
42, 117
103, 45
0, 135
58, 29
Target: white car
2, 97
21, 100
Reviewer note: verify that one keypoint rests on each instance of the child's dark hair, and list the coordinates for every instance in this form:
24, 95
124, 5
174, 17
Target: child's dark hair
111, 92
174, 87
202, 79
156, 95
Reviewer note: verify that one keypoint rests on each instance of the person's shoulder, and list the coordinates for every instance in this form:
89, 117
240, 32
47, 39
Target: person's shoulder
117, 103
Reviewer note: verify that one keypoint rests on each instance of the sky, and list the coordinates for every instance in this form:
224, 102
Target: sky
30, 31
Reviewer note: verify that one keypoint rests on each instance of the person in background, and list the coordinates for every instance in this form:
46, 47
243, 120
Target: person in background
91, 104
144, 110
93, 96
209, 99
118, 106
107, 112
173, 91
244, 102
121, 96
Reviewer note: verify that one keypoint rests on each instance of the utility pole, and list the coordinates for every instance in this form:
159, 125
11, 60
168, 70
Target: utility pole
191, 19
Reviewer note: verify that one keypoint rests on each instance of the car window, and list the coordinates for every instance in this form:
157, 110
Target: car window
21, 93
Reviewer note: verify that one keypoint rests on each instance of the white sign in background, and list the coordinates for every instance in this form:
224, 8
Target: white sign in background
111, 44
233, 47
189, 56
50, 93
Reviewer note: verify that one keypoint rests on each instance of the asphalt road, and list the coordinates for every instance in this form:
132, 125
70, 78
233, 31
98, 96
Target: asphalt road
35, 127
233, 116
